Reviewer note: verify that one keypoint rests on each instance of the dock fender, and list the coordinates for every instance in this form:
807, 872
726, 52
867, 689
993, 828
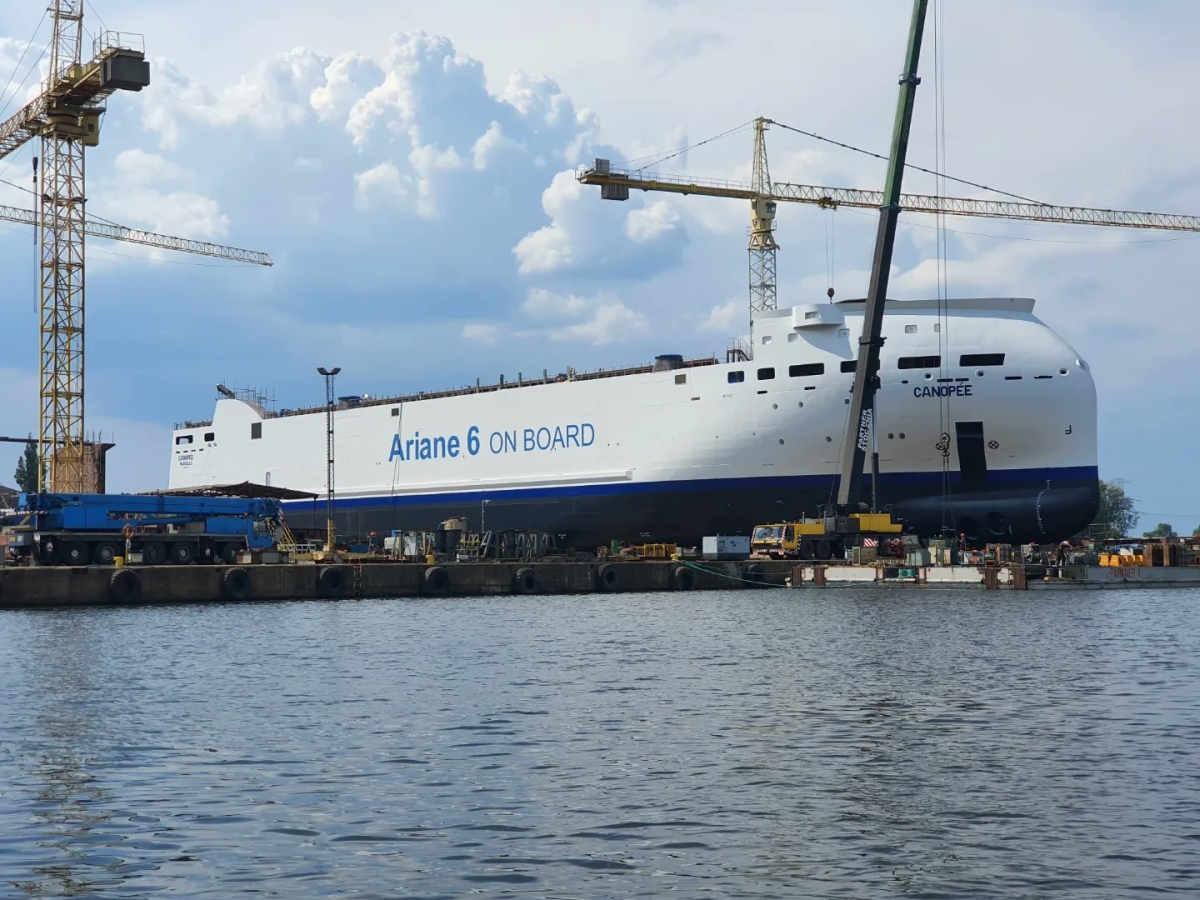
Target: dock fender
437, 580
235, 583
526, 580
331, 582
608, 578
125, 586
683, 578
753, 573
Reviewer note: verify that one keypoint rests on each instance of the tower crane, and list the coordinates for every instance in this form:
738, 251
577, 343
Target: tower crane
66, 117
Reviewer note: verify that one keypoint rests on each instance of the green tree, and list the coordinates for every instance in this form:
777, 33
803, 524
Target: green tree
27, 469
1116, 516
1161, 530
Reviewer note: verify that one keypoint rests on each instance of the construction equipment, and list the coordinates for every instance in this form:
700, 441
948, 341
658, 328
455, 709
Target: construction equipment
83, 529
66, 117
823, 538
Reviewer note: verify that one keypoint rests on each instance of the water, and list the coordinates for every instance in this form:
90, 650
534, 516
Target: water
746, 744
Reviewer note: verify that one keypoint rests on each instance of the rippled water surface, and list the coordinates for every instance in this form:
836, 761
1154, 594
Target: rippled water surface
746, 744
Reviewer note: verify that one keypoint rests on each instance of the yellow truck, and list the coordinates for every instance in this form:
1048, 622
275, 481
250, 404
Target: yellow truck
823, 538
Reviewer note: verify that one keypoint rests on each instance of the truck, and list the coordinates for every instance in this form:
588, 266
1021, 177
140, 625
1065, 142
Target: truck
826, 537
95, 529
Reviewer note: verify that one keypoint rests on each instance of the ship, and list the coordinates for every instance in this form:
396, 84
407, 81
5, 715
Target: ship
984, 429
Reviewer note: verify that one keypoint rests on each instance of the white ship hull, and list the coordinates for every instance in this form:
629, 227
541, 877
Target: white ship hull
988, 429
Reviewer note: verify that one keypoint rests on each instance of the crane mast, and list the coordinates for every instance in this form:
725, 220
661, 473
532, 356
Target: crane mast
762, 227
860, 422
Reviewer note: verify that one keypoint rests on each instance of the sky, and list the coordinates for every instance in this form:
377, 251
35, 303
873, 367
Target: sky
410, 168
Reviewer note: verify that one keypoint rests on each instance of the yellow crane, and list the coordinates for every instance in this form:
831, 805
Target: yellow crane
66, 117
763, 194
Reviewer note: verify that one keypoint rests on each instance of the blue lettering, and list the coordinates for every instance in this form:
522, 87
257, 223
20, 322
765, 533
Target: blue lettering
559, 440
496, 442
473, 440
439, 446
397, 450
529, 445
573, 435
411, 448
588, 434
452, 446
425, 452
510, 441
944, 390
543, 445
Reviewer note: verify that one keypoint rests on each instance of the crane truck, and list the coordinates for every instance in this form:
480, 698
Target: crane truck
83, 529
846, 523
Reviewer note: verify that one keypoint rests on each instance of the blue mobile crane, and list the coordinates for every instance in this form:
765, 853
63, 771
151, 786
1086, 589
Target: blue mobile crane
83, 529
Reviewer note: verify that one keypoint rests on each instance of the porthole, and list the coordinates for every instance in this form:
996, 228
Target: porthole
1062, 371
891, 436
902, 435
928, 376
781, 441
800, 404
847, 401
979, 373
774, 406
828, 439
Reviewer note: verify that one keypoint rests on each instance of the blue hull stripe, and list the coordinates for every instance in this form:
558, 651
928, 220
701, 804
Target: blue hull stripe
933, 480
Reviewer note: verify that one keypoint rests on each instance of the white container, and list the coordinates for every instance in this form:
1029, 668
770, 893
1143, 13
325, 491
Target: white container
725, 547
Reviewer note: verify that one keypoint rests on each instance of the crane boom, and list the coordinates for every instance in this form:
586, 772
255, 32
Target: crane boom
833, 197
860, 423
113, 232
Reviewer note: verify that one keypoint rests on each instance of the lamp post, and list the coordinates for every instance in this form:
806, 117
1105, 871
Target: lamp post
331, 529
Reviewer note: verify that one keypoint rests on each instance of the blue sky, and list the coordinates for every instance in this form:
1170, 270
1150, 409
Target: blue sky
408, 166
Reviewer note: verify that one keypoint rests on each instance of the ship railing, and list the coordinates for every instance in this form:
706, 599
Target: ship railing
504, 385
299, 549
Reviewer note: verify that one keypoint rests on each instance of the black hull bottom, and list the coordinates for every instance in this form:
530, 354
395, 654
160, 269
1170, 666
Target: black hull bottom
1048, 506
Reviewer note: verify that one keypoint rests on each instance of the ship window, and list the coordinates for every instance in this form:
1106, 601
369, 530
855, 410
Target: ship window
183, 439
766, 339
737, 377
981, 359
793, 337
210, 436
681, 378
849, 365
910, 329
937, 326
766, 374
255, 431
395, 410
806, 369
920, 362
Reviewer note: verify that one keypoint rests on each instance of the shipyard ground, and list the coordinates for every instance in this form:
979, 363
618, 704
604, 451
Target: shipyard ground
50, 587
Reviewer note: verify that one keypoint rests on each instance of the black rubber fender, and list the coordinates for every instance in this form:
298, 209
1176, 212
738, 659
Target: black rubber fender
125, 586
753, 573
608, 578
331, 582
235, 583
437, 581
683, 578
526, 581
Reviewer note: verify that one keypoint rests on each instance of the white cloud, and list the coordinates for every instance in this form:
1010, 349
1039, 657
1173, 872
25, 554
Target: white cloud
543, 304
725, 317
650, 223
483, 332
610, 321
378, 186
552, 246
